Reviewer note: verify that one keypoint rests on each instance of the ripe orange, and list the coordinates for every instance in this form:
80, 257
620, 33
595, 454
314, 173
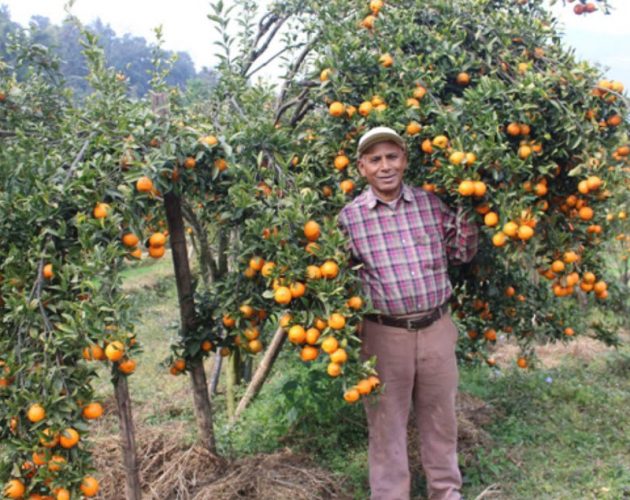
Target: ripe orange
309, 353
365, 108
114, 351
463, 78
36, 413
313, 272
570, 256
509, 291
411, 102
457, 157
89, 486
56, 463
333, 369
346, 186
127, 366
368, 22
255, 346
569, 332
466, 188
101, 210
339, 356
337, 108
413, 128
93, 352
251, 333
320, 324
312, 230
364, 386
330, 345
312, 336
92, 411
329, 269
490, 334
491, 219
49, 439
157, 240
376, 6
297, 289
69, 438
47, 271
386, 60
130, 240
521, 362
285, 320
524, 152
256, 263
220, 164
61, 494
39, 458
479, 188
297, 334
572, 279
419, 91
499, 239
341, 162
510, 229
336, 321
209, 140
136, 253
440, 141
513, 129
267, 269
206, 346
593, 182
600, 287
355, 303
14, 489
311, 247
351, 395
144, 184
282, 295
540, 189
157, 252
557, 266
228, 321
586, 213
324, 76
426, 146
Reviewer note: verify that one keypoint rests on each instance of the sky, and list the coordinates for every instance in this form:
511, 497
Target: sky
598, 38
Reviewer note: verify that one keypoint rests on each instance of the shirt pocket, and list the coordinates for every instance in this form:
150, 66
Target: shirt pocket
429, 248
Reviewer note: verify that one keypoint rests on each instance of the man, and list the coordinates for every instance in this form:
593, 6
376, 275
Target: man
405, 237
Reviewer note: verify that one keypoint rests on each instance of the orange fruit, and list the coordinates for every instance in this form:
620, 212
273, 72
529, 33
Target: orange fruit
583, 187
114, 351
413, 128
309, 353
47, 271
56, 463
585, 213
419, 91
569, 332
282, 295
557, 266
509, 291
92, 411
513, 129
36, 413
144, 184
540, 189
351, 395
490, 334
333, 369
130, 240
336, 321
49, 439
570, 256
440, 141
600, 287
157, 252
491, 219
267, 269
136, 253
479, 189
365, 108
256, 263
39, 458
89, 486
228, 321
368, 22
426, 146
312, 230
255, 346
101, 210
572, 279
499, 239
463, 78
336, 108
297, 334
521, 362
466, 188
311, 247
457, 157
346, 186
285, 320
320, 324
127, 366
411, 102
364, 386
341, 162
524, 152
297, 289
593, 182
157, 240
355, 303
209, 140
312, 336
313, 272
14, 489
386, 60
69, 438
62, 494
329, 269
330, 345
510, 229
190, 162
206, 346
220, 164
339, 356
251, 333
325, 75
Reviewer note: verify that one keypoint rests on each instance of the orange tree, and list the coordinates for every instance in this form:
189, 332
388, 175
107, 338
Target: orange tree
498, 116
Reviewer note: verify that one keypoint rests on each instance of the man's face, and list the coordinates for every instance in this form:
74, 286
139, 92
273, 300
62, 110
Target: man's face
383, 165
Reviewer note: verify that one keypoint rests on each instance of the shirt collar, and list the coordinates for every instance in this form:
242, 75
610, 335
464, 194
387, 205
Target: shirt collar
373, 200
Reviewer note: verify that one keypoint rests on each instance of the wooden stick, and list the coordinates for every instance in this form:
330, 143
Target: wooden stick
127, 438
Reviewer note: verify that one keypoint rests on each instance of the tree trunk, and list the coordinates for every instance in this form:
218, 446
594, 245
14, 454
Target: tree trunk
203, 407
261, 372
127, 438
216, 374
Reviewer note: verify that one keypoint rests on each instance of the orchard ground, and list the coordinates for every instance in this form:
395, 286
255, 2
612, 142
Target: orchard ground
553, 432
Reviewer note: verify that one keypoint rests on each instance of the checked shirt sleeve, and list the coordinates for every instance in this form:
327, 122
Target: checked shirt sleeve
461, 235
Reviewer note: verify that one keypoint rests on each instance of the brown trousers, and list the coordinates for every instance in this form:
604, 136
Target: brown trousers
419, 367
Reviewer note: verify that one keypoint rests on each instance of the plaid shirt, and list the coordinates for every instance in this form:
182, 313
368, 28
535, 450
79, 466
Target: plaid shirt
405, 247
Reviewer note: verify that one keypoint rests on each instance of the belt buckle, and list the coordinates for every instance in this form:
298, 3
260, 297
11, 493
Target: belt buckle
409, 325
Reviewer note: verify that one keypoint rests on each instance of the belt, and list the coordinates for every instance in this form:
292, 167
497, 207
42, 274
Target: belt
409, 323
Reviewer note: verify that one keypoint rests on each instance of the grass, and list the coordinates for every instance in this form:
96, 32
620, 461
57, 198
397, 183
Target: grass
556, 433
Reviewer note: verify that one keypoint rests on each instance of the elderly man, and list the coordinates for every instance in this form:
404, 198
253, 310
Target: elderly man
405, 238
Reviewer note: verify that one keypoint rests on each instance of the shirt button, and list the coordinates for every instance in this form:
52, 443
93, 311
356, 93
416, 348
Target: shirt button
404, 241
413, 274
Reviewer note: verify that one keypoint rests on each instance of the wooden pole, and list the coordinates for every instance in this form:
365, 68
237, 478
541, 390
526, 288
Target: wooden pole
261, 372
185, 294
127, 438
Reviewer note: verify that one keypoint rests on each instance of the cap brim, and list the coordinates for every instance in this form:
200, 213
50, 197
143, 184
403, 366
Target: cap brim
384, 137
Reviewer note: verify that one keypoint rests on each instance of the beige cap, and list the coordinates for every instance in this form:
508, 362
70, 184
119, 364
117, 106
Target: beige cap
379, 134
